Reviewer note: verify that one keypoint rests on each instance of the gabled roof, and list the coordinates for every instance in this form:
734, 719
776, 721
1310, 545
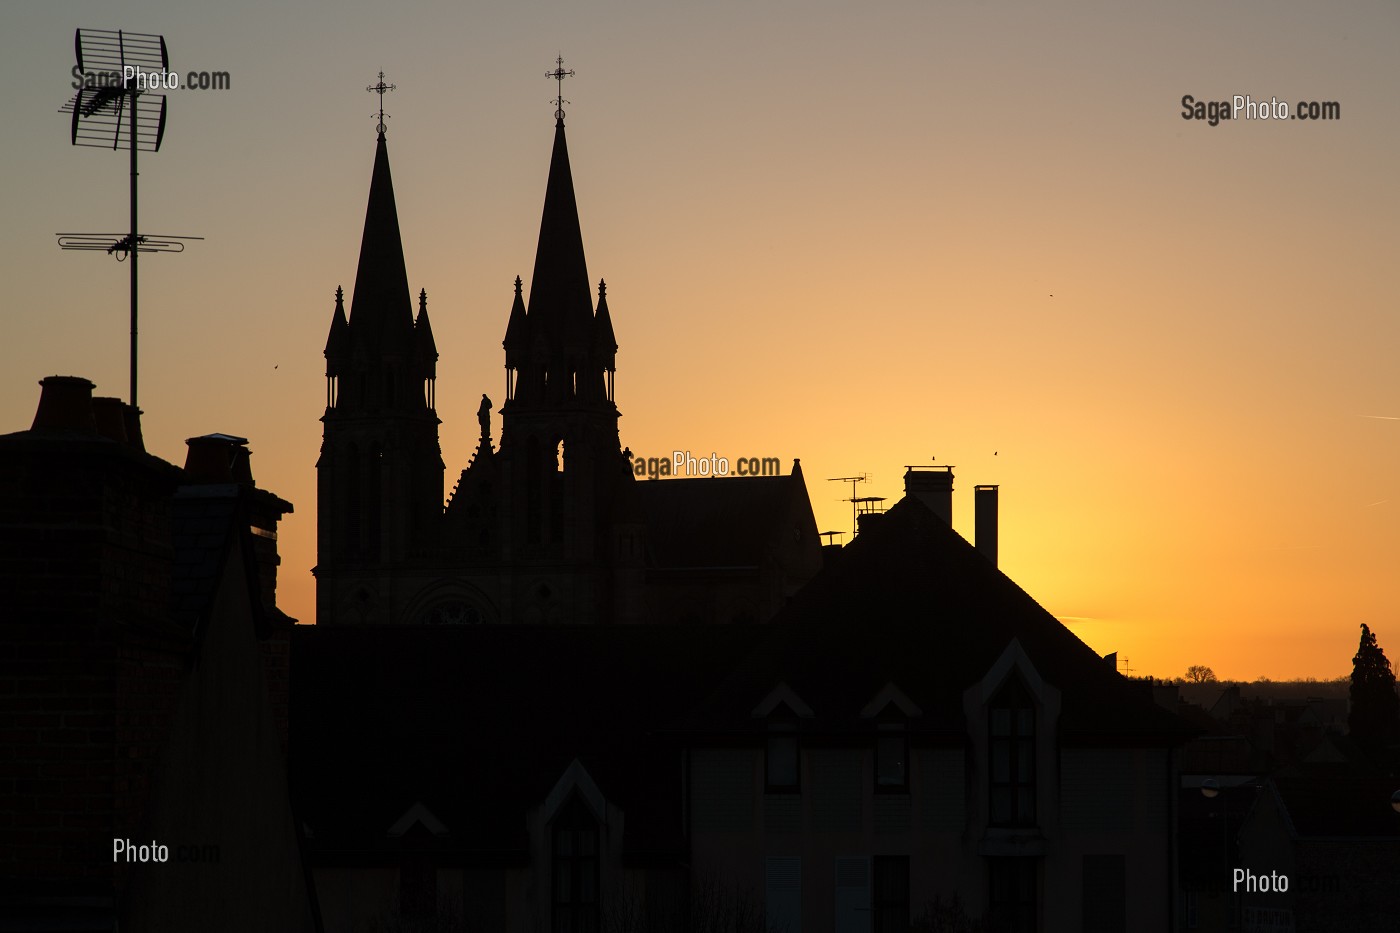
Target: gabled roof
910, 602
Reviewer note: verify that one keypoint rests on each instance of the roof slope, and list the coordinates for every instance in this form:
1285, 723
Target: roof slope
911, 602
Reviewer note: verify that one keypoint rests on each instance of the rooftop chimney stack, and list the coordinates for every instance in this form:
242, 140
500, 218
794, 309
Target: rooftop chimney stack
218, 458
110, 418
933, 486
65, 405
985, 521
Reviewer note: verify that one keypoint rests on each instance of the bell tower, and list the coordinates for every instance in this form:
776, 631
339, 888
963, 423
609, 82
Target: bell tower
563, 469
380, 473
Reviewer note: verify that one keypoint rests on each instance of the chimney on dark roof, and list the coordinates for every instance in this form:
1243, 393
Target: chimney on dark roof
933, 486
65, 405
218, 458
985, 521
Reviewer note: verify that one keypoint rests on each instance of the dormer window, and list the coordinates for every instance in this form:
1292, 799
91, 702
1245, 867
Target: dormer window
1011, 750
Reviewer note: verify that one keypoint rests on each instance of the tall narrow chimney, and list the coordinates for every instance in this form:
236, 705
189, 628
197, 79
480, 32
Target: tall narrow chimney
933, 486
985, 520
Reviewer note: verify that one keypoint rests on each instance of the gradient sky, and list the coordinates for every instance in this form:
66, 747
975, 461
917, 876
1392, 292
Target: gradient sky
830, 231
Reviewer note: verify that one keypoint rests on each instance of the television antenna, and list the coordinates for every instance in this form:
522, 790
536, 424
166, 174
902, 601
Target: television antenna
107, 117
853, 480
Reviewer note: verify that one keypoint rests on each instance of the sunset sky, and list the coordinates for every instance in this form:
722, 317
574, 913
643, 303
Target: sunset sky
865, 235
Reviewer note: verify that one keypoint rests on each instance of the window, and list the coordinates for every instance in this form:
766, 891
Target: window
1011, 749
892, 761
1011, 884
575, 881
890, 905
782, 761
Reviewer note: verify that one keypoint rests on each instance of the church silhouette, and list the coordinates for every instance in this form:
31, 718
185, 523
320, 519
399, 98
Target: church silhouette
551, 526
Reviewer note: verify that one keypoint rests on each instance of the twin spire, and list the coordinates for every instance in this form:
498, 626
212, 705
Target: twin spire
558, 341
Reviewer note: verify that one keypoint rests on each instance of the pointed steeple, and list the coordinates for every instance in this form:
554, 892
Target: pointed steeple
561, 306
517, 330
381, 311
425, 346
604, 340
338, 342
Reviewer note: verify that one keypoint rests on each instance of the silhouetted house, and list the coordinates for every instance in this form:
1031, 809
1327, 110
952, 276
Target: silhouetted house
1330, 828
551, 526
911, 727
914, 726
142, 655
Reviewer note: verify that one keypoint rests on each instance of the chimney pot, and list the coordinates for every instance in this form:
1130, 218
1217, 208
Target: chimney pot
65, 404
110, 418
218, 458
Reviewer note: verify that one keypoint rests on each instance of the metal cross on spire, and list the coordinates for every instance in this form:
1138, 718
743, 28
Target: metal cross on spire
380, 89
559, 74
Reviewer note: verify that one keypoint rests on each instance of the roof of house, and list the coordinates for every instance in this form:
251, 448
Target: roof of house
681, 518
1337, 799
910, 602
478, 723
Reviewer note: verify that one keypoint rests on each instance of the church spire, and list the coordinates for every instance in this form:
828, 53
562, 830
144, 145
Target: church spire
381, 311
561, 306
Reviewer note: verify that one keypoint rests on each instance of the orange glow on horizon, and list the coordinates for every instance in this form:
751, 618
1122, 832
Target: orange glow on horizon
862, 239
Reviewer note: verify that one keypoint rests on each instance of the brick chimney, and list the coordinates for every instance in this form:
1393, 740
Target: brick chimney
933, 486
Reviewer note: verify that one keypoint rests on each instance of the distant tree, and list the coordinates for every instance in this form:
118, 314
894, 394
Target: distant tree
1200, 674
1375, 707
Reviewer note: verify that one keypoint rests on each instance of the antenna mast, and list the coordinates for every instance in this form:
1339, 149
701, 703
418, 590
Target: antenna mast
98, 121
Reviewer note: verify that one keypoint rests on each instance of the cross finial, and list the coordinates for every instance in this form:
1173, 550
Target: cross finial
380, 89
559, 74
